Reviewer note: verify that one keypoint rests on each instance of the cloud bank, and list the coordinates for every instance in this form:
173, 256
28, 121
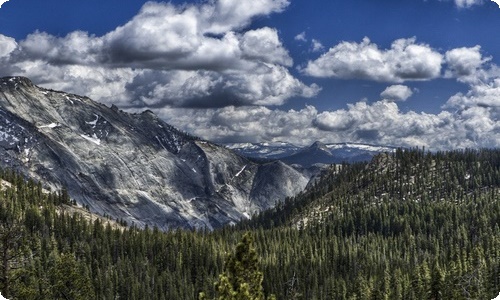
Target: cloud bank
182, 56
404, 61
468, 119
202, 69
381, 122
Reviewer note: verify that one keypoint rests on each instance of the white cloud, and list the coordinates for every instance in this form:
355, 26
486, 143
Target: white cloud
482, 95
160, 34
405, 60
76, 48
267, 84
254, 124
378, 123
7, 45
188, 63
2, 2
164, 36
301, 37
397, 92
466, 64
317, 46
263, 44
470, 3
467, 3
383, 123
226, 15
191, 55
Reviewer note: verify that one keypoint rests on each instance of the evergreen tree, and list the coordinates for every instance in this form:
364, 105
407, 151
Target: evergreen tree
242, 279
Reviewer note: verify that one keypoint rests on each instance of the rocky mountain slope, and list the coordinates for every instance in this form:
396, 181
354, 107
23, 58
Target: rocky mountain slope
133, 167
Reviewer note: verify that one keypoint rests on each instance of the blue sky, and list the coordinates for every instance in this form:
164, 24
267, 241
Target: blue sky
404, 73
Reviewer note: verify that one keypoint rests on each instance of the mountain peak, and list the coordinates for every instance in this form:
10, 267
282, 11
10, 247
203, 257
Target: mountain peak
133, 167
319, 146
14, 81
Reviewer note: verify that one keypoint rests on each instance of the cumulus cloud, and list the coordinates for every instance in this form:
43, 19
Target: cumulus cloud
198, 55
201, 69
466, 64
165, 36
481, 95
226, 15
397, 92
76, 48
7, 45
264, 44
245, 124
268, 85
381, 122
405, 60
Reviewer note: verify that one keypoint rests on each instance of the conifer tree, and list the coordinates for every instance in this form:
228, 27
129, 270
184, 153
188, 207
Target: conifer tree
242, 279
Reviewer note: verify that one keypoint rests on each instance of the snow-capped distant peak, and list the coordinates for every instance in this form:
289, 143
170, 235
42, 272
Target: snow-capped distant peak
318, 152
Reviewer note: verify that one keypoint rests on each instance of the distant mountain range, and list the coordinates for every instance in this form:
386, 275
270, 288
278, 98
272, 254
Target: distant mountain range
133, 167
317, 153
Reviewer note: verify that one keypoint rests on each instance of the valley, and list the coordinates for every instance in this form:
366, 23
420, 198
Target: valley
407, 225
101, 201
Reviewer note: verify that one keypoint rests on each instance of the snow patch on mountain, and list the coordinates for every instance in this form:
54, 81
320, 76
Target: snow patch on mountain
92, 139
51, 125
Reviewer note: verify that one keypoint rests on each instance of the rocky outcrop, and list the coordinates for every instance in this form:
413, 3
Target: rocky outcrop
133, 167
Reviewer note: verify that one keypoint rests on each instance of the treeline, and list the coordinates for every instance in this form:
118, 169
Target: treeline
47, 253
409, 225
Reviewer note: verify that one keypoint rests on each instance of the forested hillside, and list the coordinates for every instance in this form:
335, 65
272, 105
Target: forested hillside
408, 225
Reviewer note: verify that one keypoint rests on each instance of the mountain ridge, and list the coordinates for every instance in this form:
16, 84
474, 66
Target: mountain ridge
134, 167
316, 153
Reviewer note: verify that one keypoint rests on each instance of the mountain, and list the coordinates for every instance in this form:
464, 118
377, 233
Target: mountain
317, 153
266, 150
407, 225
401, 177
133, 167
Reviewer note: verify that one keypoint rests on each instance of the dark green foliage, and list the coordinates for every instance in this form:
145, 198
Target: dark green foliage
242, 279
409, 225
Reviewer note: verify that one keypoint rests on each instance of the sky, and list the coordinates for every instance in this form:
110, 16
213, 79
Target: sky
387, 72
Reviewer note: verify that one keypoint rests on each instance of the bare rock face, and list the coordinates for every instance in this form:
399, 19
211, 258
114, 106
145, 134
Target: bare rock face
133, 167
